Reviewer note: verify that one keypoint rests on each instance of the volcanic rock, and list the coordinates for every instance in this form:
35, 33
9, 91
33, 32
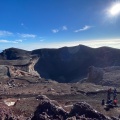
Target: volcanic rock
84, 109
105, 76
47, 110
80, 111
95, 74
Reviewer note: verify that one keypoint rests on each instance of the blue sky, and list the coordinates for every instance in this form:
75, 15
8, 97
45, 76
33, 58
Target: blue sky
34, 24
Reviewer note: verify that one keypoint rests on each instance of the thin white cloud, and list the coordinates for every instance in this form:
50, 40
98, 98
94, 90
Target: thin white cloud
86, 27
27, 35
4, 41
42, 40
64, 28
19, 40
55, 30
5, 33
9, 41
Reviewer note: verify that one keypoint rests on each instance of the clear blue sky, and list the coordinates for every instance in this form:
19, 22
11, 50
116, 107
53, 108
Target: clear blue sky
33, 24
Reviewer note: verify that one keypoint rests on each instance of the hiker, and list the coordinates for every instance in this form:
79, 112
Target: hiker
109, 94
103, 102
115, 102
109, 102
114, 94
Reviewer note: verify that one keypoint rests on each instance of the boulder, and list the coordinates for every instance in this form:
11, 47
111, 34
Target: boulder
4, 73
82, 108
95, 75
49, 111
80, 111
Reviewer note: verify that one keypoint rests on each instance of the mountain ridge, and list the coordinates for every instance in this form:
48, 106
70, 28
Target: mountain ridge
66, 64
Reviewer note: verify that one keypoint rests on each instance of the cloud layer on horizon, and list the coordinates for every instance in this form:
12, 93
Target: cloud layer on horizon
114, 43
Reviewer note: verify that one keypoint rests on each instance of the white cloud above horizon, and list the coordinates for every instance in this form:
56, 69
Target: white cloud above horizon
64, 28
42, 40
55, 30
9, 41
5, 33
19, 40
27, 35
86, 27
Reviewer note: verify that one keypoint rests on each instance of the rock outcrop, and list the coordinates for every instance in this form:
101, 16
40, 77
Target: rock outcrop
80, 111
104, 76
4, 72
86, 111
17, 63
95, 75
48, 110
11, 69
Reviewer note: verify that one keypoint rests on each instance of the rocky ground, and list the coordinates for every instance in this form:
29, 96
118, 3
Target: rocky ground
24, 102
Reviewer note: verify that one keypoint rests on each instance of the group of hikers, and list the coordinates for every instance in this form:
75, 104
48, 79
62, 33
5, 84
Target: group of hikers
111, 97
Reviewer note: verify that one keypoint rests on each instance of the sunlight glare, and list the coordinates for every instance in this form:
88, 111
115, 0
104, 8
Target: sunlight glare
115, 10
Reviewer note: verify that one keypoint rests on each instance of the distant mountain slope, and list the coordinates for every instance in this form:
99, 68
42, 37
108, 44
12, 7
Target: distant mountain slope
67, 64
14, 53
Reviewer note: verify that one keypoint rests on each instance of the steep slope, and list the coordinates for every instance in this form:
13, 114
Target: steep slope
64, 64
69, 64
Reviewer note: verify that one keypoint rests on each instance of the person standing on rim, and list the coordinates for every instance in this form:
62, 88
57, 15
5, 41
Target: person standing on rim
114, 94
109, 94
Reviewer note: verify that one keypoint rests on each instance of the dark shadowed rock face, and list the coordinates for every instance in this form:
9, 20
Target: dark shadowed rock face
64, 64
14, 53
70, 64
